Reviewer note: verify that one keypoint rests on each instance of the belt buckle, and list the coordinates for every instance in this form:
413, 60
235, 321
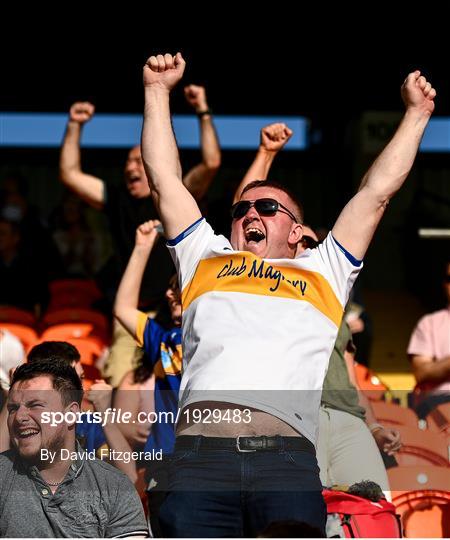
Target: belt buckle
238, 446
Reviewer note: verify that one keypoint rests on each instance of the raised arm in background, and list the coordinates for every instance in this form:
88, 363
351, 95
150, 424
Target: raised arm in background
272, 139
199, 178
88, 187
127, 298
176, 206
359, 219
126, 311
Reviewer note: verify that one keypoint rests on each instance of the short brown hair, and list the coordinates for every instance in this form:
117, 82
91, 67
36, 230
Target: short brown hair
271, 183
64, 377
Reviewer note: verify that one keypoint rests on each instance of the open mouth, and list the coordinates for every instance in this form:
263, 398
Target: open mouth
253, 234
27, 433
133, 179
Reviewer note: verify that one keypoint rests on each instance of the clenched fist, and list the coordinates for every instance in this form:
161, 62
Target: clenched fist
81, 112
163, 71
418, 93
196, 97
275, 136
147, 233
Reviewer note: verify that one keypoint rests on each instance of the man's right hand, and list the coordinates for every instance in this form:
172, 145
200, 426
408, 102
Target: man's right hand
274, 137
81, 112
163, 71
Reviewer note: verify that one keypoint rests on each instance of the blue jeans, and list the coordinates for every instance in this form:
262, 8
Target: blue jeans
226, 493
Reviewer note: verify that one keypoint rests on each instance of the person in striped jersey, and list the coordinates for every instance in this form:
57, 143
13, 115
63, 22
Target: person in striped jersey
259, 325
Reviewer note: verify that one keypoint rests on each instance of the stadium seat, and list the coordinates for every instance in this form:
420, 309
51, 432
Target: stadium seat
421, 496
369, 383
10, 314
393, 415
422, 448
78, 315
73, 293
65, 331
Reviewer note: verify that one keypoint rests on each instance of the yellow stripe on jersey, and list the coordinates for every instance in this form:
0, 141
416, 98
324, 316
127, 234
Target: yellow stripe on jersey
140, 328
246, 273
172, 362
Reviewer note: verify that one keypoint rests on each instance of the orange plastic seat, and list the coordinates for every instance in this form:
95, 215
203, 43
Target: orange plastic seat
421, 496
10, 314
391, 414
27, 335
65, 331
77, 315
90, 349
422, 448
73, 293
369, 383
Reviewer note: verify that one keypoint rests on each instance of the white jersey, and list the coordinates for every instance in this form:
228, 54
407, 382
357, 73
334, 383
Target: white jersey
259, 332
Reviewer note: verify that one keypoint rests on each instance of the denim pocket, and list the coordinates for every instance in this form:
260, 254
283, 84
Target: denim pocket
304, 460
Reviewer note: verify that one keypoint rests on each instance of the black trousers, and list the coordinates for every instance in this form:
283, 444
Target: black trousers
157, 477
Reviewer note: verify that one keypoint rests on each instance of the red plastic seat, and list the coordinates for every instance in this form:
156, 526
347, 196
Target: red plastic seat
10, 314
421, 496
369, 383
73, 293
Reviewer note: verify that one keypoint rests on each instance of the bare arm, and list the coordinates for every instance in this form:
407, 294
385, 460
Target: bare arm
88, 187
176, 206
359, 219
272, 139
128, 398
428, 370
4, 433
387, 439
100, 396
127, 298
199, 178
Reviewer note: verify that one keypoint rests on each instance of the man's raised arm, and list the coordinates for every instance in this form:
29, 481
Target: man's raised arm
88, 187
360, 217
199, 178
176, 206
272, 139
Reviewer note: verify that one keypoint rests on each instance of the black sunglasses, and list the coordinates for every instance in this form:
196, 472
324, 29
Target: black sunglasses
264, 207
308, 242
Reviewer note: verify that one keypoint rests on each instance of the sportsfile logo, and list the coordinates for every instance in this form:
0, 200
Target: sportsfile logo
110, 416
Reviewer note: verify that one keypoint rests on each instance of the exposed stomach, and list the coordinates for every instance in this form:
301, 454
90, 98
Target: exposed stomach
220, 419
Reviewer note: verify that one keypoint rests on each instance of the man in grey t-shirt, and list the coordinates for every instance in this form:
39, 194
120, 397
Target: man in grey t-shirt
48, 486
